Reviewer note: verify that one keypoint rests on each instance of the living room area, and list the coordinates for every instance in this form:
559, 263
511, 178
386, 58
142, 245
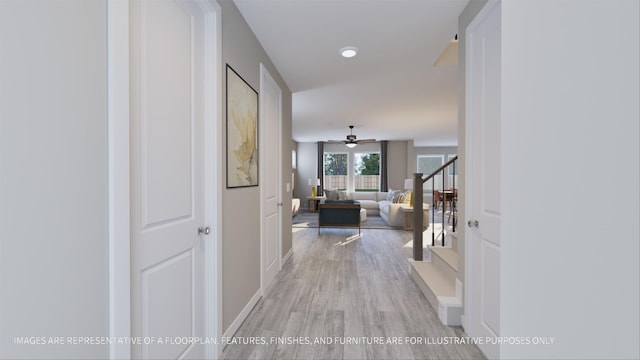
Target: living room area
382, 190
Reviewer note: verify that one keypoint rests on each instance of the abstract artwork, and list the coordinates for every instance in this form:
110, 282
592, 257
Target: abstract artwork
242, 132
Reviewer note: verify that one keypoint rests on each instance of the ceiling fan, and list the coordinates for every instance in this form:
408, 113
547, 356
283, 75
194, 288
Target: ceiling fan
351, 141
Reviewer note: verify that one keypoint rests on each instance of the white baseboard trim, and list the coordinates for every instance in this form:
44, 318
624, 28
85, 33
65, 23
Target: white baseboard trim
287, 257
449, 310
235, 325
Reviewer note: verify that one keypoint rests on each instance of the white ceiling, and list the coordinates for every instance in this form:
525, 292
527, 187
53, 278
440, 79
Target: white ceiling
390, 91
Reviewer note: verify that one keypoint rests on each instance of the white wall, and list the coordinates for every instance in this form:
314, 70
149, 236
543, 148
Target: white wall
570, 261
53, 176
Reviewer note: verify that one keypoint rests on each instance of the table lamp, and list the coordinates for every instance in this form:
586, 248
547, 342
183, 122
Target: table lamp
314, 184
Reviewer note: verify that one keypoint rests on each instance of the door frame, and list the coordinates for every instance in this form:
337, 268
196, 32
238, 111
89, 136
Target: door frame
119, 176
266, 75
118, 123
469, 296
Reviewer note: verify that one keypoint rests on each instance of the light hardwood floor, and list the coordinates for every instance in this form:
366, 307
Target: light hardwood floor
359, 290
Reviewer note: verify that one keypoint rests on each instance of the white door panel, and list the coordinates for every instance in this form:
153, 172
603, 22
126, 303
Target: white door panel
270, 169
483, 177
159, 283
167, 59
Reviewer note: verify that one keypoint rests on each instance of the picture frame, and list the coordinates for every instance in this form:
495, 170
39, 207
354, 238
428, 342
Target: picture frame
242, 131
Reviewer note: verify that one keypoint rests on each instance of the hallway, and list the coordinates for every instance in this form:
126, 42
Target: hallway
335, 291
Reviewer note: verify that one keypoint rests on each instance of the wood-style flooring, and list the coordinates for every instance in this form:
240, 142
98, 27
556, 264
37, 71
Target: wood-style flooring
334, 291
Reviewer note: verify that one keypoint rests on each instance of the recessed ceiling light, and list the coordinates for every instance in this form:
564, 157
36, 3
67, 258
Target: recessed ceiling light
349, 51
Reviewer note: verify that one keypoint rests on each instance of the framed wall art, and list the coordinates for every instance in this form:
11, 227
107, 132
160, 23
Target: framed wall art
242, 132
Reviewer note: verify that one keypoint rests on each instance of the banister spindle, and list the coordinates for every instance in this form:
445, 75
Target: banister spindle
444, 205
418, 222
455, 196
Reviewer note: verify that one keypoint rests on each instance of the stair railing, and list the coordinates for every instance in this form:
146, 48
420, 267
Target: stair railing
418, 197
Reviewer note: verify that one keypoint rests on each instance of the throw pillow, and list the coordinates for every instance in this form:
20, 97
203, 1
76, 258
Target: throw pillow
393, 195
331, 194
342, 195
405, 198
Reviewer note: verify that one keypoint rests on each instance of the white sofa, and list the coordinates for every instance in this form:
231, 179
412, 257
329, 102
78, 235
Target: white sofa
377, 203
295, 206
368, 200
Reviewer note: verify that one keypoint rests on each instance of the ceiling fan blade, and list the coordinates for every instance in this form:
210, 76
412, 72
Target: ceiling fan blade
335, 141
367, 140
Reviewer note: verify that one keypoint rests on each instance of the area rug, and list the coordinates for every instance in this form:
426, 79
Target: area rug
310, 220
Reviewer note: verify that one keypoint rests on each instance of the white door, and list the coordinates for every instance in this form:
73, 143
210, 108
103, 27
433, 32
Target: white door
270, 170
168, 112
483, 177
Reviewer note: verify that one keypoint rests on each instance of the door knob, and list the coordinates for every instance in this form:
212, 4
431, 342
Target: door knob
204, 230
473, 223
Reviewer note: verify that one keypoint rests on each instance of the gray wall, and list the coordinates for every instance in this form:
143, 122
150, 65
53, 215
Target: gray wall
306, 170
465, 18
53, 176
399, 164
241, 210
570, 108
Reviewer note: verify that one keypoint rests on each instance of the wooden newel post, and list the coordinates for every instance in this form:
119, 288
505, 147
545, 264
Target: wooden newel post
418, 221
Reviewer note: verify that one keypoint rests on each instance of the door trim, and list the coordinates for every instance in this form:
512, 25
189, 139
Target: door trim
214, 177
119, 177
469, 297
118, 172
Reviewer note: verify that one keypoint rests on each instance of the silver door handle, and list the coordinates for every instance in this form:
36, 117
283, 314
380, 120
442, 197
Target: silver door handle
204, 230
473, 223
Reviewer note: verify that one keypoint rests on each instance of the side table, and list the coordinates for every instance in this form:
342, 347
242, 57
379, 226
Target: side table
407, 211
313, 201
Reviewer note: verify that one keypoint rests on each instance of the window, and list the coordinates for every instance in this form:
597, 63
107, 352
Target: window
366, 170
355, 169
294, 159
335, 171
427, 164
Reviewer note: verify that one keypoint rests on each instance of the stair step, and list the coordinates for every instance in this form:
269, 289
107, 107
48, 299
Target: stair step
448, 255
452, 238
439, 290
432, 282
445, 259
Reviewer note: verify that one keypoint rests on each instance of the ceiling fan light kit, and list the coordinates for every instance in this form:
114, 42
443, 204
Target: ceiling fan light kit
352, 141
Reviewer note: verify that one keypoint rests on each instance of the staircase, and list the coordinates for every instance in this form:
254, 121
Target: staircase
436, 276
433, 263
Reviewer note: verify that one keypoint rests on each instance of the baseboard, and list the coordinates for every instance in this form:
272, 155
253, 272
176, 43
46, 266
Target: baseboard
287, 257
235, 325
449, 310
